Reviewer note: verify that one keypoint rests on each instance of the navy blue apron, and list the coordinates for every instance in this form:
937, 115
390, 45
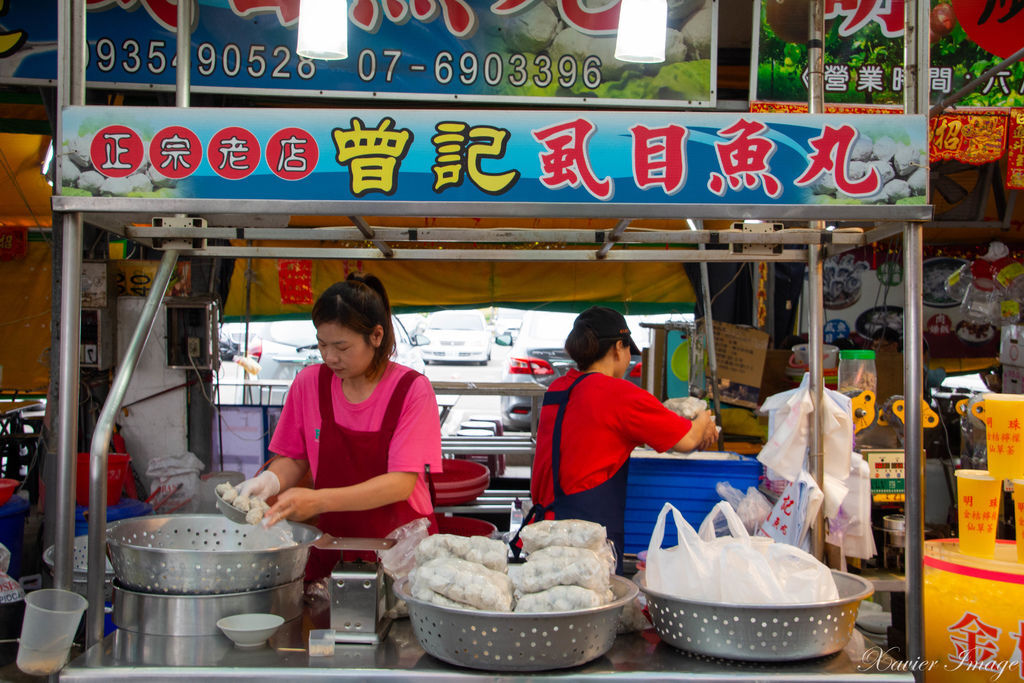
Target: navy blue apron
604, 504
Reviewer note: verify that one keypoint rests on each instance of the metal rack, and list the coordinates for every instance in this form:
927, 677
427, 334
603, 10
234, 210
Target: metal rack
248, 221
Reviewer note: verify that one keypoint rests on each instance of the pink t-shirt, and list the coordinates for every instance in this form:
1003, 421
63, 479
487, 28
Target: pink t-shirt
416, 441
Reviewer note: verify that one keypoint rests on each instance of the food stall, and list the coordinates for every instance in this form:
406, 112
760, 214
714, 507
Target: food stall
249, 213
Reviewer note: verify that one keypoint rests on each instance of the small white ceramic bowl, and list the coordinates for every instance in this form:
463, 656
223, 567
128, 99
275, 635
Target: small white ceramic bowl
250, 630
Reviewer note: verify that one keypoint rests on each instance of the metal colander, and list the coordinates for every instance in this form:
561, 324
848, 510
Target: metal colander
503, 641
760, 632
206, 554
80, 565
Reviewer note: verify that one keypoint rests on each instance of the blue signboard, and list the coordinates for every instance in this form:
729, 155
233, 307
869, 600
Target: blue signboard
462, 50
533, 156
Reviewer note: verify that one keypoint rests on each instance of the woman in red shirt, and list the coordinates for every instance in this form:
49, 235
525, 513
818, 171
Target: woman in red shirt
591, 421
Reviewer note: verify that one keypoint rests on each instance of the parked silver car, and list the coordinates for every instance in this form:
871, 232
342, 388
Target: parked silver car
457, 336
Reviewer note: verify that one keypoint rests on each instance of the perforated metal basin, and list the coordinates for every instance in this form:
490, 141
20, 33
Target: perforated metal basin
504, 641
760, 632
206, 554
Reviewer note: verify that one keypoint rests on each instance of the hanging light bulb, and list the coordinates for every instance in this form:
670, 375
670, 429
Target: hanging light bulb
323, 29
642, 31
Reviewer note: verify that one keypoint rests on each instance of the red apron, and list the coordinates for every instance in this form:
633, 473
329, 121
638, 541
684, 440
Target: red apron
349, 457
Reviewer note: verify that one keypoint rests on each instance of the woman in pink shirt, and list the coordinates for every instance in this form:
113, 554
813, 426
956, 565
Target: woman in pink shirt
361, 426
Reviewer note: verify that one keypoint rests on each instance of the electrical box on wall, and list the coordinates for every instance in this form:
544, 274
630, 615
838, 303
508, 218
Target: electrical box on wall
192, 334
97, 345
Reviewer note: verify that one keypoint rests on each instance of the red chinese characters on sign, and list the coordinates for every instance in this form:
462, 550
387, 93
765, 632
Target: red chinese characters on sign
175, 152
566, 162
459, 18
116, 151
295, 281
857, 14
13, 243
659, 157
585, 18
1015, 150
287, 11
995, 25
743, 160
975, 642
292, 153
233, 153
832, 155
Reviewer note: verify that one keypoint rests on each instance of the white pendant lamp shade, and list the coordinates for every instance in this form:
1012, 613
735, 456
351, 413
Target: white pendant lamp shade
642, 30
323, 29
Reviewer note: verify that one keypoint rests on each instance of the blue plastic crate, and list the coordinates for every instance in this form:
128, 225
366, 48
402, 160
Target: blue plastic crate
689, 484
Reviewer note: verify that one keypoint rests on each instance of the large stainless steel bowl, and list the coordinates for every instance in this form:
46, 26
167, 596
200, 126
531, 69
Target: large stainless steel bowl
206, 554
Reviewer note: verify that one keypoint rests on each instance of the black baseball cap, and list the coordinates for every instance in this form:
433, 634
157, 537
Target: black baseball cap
607, 323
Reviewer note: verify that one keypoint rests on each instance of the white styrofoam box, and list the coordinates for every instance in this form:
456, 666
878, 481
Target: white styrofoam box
1011, 345
1013, 379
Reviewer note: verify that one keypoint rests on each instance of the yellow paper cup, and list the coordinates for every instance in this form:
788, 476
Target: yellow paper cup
977, 494
1003, 415
1018, 512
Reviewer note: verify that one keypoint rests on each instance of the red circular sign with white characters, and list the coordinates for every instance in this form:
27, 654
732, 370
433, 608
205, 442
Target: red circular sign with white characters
233, 153
116, 151
292, 153
997, 27
940, 324
175, 152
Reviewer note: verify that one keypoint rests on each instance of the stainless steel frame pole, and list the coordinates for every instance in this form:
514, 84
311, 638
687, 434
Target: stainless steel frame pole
71, 46
917, 60
815, 287
101, 441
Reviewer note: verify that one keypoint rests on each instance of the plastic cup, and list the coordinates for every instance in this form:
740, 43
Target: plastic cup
977, 494
1018, 513
1003, 415
51, 620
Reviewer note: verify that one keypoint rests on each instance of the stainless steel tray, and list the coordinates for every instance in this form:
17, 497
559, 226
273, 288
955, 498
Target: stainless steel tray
760, 632
511, 641
197, 615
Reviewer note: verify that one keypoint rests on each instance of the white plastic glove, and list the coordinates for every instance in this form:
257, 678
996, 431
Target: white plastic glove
262, 486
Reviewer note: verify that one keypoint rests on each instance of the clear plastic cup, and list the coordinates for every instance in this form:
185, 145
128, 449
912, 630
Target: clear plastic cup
51, 620
977, 494
1004, 427
1018, 512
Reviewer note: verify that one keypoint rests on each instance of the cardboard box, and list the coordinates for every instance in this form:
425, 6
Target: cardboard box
740, 352
1011, 345
1013, 379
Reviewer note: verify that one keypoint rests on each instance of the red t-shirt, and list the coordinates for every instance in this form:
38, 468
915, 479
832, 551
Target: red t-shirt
605, 420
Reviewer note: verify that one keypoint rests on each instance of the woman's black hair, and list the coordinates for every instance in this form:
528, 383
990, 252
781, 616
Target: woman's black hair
360, 303
585, 348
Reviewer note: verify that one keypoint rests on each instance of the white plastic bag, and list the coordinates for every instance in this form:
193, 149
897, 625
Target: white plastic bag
757, 571
399, 559
752, 507
683, 570
786, 448
175, 482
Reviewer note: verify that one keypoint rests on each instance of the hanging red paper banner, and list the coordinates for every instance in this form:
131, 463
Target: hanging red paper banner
773, 107
13, 243
1015, 151
968, 138
295, 280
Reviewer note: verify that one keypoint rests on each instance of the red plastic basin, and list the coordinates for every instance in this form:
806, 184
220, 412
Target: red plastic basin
464, 526
460, 482
7, 487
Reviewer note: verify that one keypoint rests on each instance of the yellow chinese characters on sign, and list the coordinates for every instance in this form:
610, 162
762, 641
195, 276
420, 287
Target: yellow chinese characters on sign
460, 153
372, 155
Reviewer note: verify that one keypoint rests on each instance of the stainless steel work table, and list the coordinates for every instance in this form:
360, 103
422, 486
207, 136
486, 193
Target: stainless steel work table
638, 656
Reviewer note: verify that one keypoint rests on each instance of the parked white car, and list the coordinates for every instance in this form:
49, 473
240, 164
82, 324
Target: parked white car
284, 347
457, 336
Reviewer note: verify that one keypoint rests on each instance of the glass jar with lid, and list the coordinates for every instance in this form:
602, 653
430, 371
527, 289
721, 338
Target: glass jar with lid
857, 372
